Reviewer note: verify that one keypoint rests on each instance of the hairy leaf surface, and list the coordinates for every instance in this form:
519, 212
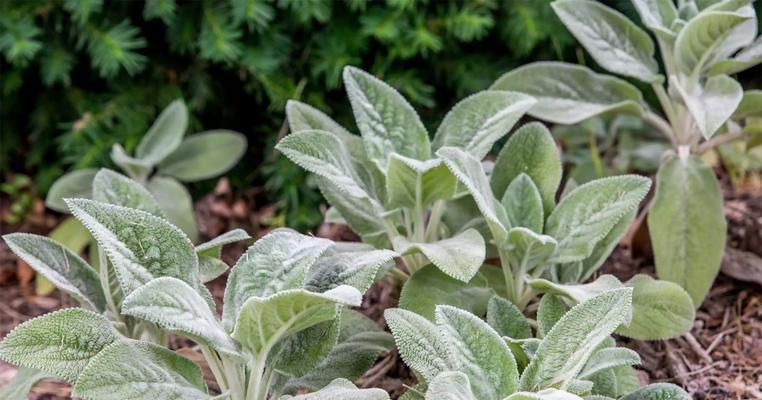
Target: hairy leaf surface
568, 93
114, 188
165, 134
460, 256
204, 155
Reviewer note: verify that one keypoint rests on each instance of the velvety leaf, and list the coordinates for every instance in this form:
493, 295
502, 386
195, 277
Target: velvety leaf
176, 307
531, 151
204, 155
745, 59
323, 154
22, 383
657, 15
523, 204
586, 215
176, 202
419, 342
409, 181
658, 391
546, 394
127, 370
341, 389
579, 293
276, 262
470, 174
660, 310
75, 184
360, 342
614, 41
713, 103
139, 245
506, 319
478, 121
429, 287
627, 379
364, 215
450, 385
304, 117
165, 134
59, 265
571, 342
687, 225
569, 93
550, 311
136, 168
114, 188
460, 256
700, 39
387, 122
605, 246
61, 343
478, 351
609, 358
263, 321
300, 353
358, 269
209, 253
530, 250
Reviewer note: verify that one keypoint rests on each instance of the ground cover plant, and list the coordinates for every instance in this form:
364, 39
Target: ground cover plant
702, 106
440, 207
283, 326
459, 356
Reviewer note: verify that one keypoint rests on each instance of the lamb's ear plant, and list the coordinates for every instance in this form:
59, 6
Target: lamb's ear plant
162, 160
563, 243
281, 328
700, 44
459, 356
386, 183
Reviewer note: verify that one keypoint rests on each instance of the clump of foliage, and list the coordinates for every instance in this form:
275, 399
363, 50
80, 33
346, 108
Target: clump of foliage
434, 203
701, 43
284, 326
460, 356
81, 76
162, 160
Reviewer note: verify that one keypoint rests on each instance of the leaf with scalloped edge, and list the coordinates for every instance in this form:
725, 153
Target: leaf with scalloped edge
507, 319
567, 347
419, 343
209, 253
139, 245
478, 121
341, 389
450, 385
114, 188
61, 343
176, 307
658, 391
263, 321
470, 174
409, 182
63, 268
570, 93
131, 369
531, 150
478, 351
358, 269
614, 41
586, 215
276, 262
387, 122
460, 256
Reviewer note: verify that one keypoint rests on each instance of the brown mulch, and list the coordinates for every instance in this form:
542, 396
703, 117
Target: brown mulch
720, 359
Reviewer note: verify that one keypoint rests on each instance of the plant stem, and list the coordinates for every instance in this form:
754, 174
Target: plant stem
216, 366
719, 140
434, 219
666, 103
236, 378
255, 389
507, 275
